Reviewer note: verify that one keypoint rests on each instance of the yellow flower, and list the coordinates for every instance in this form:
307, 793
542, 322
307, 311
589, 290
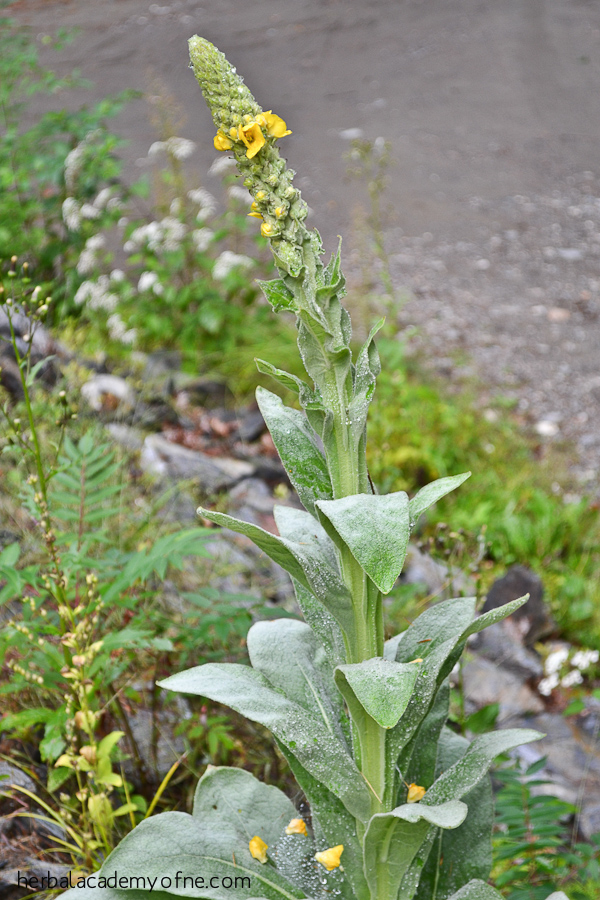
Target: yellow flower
258, 849
296, 826
222, 142
260, 195
267, 229
275, 125
330, 858
252, 137
280, 211
415, 793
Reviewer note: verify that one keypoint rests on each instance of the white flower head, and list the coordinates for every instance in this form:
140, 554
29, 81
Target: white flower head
95, 242
72, 167
149, 282
86, 262
156, 148
89, 211
180, 148
173, 232
555, 660
119, 331
117, 275
71, 214
175, 207
547, 685
228, 261
583, 659
103, 197
237, 192
205, 200
222, 165
202, 238
572, 678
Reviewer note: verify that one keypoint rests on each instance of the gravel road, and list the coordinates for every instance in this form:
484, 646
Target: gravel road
493, 111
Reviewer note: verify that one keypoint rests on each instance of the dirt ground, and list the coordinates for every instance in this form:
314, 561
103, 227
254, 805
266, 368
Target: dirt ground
493, 111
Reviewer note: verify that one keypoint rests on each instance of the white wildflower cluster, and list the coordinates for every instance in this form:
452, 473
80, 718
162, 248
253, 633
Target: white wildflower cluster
118, 330
97, 294
71, 214
202, 238
88, 259
228, 261
205, 200
74, 160
239, 193
180, 148
149, 282
560, 659
222, 165
156, 236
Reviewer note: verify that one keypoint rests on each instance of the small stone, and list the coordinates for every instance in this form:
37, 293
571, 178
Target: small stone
482, 265
558, 314
108, 392
534, 616
571, 254
547, 428
352, 134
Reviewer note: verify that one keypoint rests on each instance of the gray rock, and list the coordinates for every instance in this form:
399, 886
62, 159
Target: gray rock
437, 579
129, 438
156, 742
501, 643
251, 426
102, 391
15, 778
484, 683
534, 616
161, 457
161, 363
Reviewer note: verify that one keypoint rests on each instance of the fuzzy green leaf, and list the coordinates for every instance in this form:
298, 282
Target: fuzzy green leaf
278, 294
322, 623
433, 492
382, 688
308, 556
289, 655
296, 444
175, 842
465, 853
375, 529
303, 733
291, 382
393, 839
460, 778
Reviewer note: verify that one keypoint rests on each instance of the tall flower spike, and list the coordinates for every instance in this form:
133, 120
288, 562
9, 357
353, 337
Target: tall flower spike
250, 133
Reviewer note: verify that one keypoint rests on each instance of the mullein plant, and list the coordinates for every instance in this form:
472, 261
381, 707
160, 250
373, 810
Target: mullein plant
400, 805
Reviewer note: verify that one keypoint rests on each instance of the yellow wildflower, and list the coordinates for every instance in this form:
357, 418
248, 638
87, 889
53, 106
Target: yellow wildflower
252, 137
296, 826
330, 858
280, 211
258, 849
267, 229
222, 142
260, 195
275, 125
254, 211
415, 793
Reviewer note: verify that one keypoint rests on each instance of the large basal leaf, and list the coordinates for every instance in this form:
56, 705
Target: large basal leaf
375, 528
462, 777
333, 825
306, 557
289, 655
105, 893
479, 890
382, 688
305, 735
393, 839
297, 446
433, 492
465, 853
174, 842
248, 807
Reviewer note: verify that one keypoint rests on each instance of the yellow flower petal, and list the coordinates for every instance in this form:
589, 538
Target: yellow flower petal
258, 849
276, 127
252, 137
260, 195
267, 229
222, 142
330, 858
255, 215
280, 211
296, 826
415, 793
